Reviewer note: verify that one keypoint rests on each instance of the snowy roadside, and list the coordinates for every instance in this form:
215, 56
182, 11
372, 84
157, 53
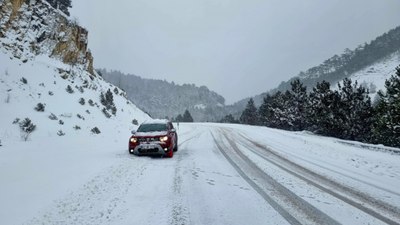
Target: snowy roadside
93, 180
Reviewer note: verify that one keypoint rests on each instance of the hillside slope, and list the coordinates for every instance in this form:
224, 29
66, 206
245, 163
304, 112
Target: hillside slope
370, 64
45, 64
164, 99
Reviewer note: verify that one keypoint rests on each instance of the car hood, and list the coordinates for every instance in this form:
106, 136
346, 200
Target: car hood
150, 134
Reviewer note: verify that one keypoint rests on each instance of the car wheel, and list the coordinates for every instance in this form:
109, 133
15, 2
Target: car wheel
176, 145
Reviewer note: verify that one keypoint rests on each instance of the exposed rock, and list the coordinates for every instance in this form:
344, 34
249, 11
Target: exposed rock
47, 30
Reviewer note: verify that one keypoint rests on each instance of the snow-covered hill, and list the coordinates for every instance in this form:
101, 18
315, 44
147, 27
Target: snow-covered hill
46, 83
370, 64
42, 54
374, 76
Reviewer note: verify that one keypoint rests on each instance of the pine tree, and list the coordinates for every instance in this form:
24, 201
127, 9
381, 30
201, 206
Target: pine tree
322, 108
187, 117
250, 114
265, 112
354, 116
387, 119
179, 118
27, 127
273, 112
69, 89
298, 104
281, 106
108, 101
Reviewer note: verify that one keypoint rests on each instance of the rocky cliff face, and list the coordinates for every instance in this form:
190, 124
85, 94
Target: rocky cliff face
33, 27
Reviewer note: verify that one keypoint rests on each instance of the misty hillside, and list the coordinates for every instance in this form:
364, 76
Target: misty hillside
164, 99
48, 88
370, 64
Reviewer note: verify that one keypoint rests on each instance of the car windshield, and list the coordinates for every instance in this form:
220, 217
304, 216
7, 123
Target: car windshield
152, 127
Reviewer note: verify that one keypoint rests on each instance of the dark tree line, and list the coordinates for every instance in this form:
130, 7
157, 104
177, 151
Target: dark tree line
345, 113
186, 117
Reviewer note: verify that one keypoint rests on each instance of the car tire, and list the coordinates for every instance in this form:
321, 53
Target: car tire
176, 145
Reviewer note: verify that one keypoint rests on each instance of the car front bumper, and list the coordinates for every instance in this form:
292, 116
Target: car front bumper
149, 149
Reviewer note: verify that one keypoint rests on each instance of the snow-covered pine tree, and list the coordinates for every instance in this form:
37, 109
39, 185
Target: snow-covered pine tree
387, 119
250, 114
354, 116
108, 101
298, 105
265, 112
321, 111
275, 111
27, 127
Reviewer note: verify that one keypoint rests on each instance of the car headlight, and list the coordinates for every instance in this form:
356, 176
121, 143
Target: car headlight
164, 139
134, 140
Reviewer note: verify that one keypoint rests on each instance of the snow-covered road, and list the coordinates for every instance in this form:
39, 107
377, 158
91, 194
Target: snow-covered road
221, 174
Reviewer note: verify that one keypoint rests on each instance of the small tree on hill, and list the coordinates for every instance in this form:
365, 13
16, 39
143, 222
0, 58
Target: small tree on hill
95, 130
69, 89
27, 127
40, 107
108, 101
82, 101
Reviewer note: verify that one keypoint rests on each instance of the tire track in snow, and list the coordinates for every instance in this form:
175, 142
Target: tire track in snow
369, 205
180, 213
265, 148
99, 201
294, 209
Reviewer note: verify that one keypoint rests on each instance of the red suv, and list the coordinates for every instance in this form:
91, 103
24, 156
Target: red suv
156, 137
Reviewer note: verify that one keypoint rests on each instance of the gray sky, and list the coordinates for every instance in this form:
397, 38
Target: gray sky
238, 48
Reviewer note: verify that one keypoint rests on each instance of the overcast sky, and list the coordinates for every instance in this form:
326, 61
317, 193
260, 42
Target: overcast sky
238, 48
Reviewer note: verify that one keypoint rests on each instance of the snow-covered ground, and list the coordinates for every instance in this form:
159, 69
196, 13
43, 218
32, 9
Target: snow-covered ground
72, 114
373, 77
221, 174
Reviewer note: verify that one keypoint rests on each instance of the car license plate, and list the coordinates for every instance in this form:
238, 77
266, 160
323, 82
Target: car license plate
148, 147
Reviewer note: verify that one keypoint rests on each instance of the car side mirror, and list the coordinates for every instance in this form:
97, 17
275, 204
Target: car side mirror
173, 130
133, 132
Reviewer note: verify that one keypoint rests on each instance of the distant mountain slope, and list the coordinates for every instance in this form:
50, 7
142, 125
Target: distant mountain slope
373, 77
46, 76
337, 67
164, 99
370, 63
